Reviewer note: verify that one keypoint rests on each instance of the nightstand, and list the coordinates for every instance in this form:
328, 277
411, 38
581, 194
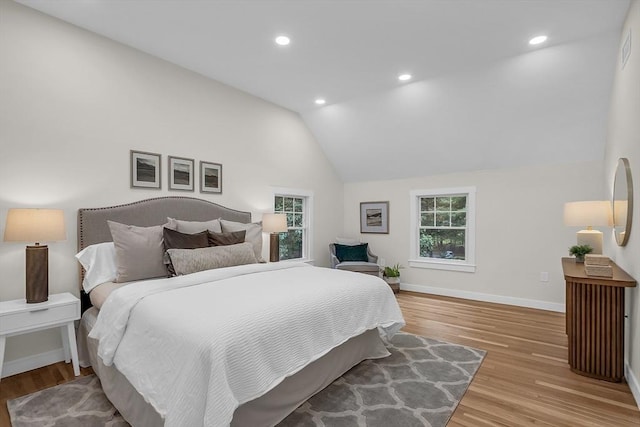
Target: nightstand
60, 311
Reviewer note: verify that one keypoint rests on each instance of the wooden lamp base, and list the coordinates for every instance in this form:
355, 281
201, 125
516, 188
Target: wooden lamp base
37, 265
274, 247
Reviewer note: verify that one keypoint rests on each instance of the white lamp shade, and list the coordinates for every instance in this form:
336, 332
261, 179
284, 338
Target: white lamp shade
274, 223
35, 225
588, 213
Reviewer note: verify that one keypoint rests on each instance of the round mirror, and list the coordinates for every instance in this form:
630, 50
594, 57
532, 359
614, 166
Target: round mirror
622, 202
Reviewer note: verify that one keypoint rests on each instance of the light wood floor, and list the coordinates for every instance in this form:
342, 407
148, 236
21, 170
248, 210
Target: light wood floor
524, 380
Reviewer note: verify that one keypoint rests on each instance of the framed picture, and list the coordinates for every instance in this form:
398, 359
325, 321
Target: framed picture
374, 217
210, 177
145, 170
181, 173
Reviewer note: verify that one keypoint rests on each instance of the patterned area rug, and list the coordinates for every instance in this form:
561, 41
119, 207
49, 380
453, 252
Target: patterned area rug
420, 384
78, 403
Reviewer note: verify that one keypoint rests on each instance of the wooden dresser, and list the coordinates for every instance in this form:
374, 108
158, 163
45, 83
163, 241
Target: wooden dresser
595, 321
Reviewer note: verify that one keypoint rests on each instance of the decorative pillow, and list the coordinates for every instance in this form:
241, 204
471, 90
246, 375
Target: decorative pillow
226, 239
352, 252
254, 234
177, 240
138, 251
192, 227
187, 261
99, 262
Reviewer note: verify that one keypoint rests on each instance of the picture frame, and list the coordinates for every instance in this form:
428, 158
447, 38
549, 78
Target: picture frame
145, 169
210, 177
181, 171
374, 217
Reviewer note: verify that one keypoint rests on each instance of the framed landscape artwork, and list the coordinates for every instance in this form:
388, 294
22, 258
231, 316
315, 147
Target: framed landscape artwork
181, 173
374, 217
210, 177
145, 169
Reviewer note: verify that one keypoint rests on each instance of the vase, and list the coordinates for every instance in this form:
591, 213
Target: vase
394, 283
392, 280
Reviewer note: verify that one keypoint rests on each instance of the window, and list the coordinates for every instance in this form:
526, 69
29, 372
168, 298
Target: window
296, 204
443, 229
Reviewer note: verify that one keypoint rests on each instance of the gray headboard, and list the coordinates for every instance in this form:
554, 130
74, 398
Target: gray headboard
93, 228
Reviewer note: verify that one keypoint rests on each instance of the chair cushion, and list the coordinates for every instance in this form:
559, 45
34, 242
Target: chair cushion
352, 252
358, 266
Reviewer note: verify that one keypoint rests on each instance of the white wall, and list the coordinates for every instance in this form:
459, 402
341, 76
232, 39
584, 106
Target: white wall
72, 105
624, 141
520, 230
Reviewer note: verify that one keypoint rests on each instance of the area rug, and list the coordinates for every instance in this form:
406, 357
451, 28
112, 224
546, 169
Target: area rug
78, 403
420, 385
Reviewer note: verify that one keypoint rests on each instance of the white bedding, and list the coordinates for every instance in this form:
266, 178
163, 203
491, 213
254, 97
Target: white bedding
198, 346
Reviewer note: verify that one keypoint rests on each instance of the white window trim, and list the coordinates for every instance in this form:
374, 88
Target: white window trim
469, 264
307, 247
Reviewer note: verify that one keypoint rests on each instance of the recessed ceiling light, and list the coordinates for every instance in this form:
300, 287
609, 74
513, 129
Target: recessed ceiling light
538, 40
404, 77
320, 101
283, 40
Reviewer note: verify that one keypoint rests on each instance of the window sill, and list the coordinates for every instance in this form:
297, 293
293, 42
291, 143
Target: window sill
442, 265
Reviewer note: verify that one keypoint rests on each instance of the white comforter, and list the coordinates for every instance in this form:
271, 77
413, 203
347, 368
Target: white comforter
198, 346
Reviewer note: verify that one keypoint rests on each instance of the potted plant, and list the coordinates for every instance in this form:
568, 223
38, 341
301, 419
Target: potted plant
579, 251
391, 275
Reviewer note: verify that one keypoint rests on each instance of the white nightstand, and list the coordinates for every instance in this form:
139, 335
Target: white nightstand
17, 317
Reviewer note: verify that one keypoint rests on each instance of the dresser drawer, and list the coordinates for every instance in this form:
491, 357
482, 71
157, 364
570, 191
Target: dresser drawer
37, 317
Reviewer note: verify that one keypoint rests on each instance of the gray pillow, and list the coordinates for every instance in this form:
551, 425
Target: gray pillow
192, 227
139, 251
253, 236
187, 261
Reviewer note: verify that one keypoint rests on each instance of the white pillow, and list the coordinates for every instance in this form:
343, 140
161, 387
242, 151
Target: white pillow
253, 235
99, 262
347, 241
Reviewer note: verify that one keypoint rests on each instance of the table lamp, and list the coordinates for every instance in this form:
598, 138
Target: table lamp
35, 225
589, 214
274, 224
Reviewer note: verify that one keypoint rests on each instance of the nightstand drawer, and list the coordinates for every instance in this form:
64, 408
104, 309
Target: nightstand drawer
35, 317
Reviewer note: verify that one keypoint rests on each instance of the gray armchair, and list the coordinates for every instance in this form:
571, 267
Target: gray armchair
370, 267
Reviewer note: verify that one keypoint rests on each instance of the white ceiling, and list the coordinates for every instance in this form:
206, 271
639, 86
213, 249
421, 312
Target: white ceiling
351, 51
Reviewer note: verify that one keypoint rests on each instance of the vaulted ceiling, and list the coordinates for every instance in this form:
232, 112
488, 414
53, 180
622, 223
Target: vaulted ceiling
481, 97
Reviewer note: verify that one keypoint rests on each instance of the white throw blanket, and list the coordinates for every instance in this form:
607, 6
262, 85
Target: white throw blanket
196, 347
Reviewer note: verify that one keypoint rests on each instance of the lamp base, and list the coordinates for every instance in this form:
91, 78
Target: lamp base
274, 247
592, 238
37, 265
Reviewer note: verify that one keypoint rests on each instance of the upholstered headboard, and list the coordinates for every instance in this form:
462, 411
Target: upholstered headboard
93, 228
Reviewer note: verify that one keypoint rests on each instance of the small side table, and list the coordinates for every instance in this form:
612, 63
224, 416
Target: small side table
595, 321
60, 311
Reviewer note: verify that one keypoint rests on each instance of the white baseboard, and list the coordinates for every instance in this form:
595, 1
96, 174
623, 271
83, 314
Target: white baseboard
634, 385
477, 296
28, 363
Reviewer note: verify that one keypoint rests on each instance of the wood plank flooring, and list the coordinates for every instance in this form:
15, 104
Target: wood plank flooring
524, 380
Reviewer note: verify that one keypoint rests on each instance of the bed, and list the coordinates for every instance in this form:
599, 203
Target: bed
242, 345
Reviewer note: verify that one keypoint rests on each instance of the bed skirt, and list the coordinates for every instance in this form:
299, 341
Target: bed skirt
267, 410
